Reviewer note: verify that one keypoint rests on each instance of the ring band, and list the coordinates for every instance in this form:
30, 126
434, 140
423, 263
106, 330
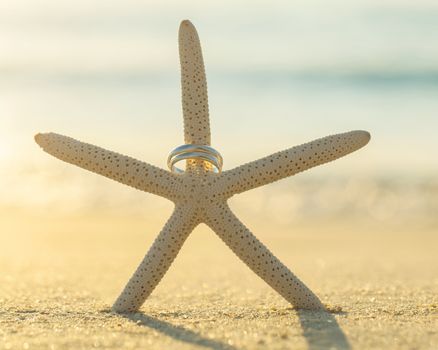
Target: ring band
200, 152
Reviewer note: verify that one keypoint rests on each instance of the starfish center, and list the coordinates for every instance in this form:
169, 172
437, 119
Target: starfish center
198, 189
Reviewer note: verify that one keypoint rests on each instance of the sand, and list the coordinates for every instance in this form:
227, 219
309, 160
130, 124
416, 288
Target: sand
57, 285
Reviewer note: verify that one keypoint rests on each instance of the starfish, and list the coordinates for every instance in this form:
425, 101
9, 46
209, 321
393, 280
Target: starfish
200, 193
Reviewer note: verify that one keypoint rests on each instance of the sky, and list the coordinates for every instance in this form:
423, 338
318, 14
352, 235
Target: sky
279, 73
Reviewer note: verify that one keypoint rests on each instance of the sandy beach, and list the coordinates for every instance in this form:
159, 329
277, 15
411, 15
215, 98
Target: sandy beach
57, 287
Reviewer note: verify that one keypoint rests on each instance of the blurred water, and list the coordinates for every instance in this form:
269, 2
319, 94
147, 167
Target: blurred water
279, 74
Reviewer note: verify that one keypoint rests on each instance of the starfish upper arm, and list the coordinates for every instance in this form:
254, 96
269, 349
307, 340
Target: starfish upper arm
290, 161
115, 166
194, 86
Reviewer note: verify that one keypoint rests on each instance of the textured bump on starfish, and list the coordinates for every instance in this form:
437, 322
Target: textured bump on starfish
200, 195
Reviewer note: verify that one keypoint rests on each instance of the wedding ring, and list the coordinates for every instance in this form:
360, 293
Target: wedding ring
196, 152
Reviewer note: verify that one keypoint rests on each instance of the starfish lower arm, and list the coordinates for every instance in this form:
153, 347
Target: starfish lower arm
289, 162
115, 166
157, 260
259, 259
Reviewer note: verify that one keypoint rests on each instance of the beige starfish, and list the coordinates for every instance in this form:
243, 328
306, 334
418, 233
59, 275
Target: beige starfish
200, 194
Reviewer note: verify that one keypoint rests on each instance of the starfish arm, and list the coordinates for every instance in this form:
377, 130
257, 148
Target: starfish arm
157, 261
115, 166
194, 86
260, 260
289, 162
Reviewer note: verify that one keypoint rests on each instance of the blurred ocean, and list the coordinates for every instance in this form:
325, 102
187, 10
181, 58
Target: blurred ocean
279, 74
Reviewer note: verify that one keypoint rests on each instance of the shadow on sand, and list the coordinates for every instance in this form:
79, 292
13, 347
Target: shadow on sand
176, 332
322, 331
